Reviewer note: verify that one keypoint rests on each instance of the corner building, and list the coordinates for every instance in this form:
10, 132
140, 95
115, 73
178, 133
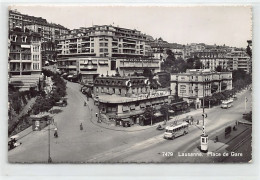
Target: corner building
189, 85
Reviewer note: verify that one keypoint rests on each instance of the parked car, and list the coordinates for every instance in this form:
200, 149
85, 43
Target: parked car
62, 102
72, 77
64, 75
189, 119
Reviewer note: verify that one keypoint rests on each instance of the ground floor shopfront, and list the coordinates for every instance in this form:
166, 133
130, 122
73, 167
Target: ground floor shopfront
132, 112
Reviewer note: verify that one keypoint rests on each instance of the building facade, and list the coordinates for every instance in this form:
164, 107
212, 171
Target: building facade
24, 53
24, 59
127, 97
111, 49
239, 59
212, 59
48, 31
190, 85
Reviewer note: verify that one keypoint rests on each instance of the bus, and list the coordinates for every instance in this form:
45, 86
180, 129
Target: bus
174, 131
227, 103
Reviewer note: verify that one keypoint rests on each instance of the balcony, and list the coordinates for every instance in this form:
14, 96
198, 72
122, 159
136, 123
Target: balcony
15, 50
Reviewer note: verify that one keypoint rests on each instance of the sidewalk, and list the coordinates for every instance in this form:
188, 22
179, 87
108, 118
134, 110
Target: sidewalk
137, 127
224, 146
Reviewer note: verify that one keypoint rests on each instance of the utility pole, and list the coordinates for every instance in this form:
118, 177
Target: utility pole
203, 137
49, 142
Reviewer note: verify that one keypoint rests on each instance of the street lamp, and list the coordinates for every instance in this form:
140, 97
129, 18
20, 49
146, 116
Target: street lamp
49, 142
204, 136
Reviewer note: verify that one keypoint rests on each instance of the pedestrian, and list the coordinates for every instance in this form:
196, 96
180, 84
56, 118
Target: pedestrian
96, 114
81, 127
56, 132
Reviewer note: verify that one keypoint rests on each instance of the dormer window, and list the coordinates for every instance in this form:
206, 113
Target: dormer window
13, 38
24, 38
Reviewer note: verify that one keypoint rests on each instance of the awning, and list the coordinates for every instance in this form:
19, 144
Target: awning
158, 114
126, 119
154, 102
142, 105
132, 107
148, 104
25, 46
125, 108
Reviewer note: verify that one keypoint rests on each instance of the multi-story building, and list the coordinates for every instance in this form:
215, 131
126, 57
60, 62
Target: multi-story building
190, 85
126, 97
48, 31
212, 59
193, 47
160, 47
116, 47
24, 58
238, 59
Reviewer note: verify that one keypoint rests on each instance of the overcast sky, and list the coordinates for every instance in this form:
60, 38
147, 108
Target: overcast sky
211, 25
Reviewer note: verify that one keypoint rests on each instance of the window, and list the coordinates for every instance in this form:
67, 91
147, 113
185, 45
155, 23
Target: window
101, 50
24, 38
119, 90
13, 38
92, 44
92, 50
102, 89
113, 65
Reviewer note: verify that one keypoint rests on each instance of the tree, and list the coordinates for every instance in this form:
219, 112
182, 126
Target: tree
169, 61
214, 88
249, 51
148, 73
164, 80
179, 66
165, 111
198, 63
149, 113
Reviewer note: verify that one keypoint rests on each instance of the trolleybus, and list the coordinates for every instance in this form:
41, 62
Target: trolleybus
227, 103
175, 131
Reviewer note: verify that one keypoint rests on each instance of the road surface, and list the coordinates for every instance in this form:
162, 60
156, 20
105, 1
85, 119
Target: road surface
96, 144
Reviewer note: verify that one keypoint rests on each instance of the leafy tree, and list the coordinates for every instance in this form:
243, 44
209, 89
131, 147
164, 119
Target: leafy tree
214, 88
147, 73
249, 51
149, 113
165, 111
197, 63
164, 80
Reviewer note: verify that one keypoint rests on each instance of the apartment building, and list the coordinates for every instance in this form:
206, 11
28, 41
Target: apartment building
189, 85
211, 59
24, 61
239, 59
115, 46
48, 31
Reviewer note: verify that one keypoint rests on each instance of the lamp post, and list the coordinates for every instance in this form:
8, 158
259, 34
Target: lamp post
204, 136
49, 143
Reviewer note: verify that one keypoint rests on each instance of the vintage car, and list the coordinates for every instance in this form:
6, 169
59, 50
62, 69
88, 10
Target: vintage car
62, 102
